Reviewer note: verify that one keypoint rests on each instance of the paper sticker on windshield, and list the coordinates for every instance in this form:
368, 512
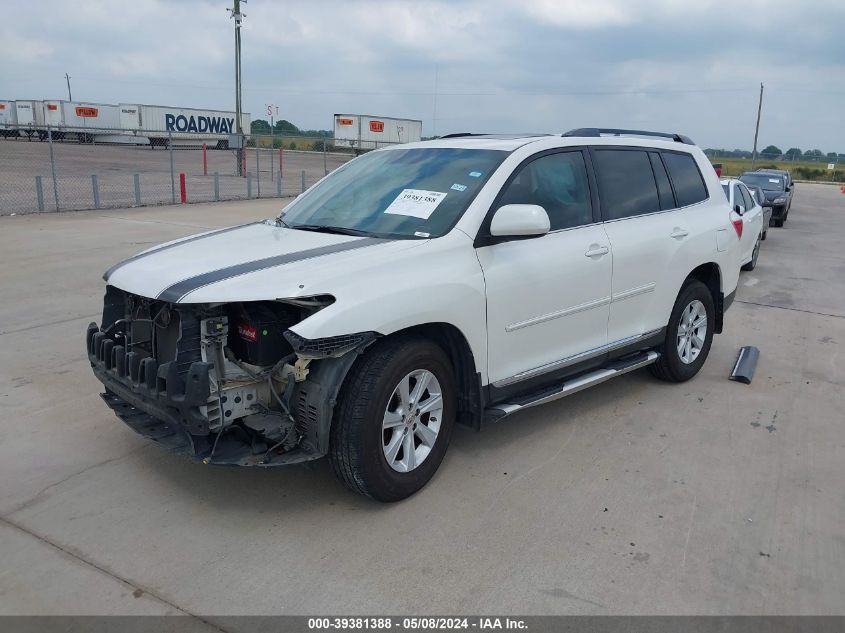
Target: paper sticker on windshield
417, 203
458, 187
775, 180
475, 174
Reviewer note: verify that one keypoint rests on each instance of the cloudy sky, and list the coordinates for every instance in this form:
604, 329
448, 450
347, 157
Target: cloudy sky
692, 66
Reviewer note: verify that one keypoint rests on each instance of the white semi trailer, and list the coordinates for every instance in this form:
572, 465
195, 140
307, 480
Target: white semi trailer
122, 123
365, 131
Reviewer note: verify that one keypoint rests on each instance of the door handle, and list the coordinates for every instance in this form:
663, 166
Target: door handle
678, 233
597, 251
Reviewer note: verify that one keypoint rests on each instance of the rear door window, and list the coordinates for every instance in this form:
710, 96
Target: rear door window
664, 187
626, 183
747, 197
686, 178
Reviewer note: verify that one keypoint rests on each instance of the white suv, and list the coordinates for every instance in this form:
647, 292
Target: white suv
455, 280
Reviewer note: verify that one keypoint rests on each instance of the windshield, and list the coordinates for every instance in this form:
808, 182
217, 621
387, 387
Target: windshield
767, 182
727, 191
409, 193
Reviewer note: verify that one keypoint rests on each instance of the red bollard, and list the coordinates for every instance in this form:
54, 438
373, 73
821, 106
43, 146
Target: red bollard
183, 192
204, 161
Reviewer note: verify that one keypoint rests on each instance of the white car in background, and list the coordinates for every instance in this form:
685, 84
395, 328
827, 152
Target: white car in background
746, 206
458, 280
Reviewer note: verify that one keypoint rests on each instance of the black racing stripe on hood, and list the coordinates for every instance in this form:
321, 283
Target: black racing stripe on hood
111, 270
180, 289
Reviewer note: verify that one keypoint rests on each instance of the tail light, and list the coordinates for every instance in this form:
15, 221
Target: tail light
737, 227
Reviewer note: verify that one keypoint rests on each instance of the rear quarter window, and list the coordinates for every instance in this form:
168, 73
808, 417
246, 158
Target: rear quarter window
686, 178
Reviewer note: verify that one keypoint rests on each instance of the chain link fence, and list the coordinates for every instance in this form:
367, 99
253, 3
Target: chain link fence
822, 168
60, 170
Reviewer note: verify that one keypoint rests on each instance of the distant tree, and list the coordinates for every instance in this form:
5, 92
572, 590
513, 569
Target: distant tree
285, 127
772, 150
259, 126
831, 154
813, 153
793, 153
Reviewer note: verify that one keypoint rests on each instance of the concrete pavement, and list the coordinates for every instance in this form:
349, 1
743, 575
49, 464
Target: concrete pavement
635, 497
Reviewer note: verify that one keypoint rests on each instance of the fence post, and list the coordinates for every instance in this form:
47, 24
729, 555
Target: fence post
249, 184
216, 186
303, 182
183, 191
137, 179
279, 185
204, 160
39, 193
243, 161
257, 168
53, 167
325, 167
172, 175
95, 187
281, 160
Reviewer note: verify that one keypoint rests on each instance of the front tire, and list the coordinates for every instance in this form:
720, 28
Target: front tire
689, 334
394, 418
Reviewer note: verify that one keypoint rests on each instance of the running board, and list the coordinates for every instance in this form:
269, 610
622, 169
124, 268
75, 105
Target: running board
574, 385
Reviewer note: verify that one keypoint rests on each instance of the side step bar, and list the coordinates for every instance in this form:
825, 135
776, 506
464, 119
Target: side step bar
574, 385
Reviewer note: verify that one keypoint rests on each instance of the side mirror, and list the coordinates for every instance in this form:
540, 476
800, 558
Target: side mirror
520, 220
739, 210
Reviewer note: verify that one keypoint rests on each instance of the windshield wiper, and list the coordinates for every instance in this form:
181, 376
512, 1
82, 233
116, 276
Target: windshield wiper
319, 228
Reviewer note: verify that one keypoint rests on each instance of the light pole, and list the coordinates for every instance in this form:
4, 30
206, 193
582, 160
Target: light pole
67, 78
238, 17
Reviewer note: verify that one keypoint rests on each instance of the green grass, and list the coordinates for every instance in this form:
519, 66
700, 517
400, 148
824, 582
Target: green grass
801, 170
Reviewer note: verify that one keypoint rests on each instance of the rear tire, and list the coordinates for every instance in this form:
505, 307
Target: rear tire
374, 415
683, 355
754, 255
778, 223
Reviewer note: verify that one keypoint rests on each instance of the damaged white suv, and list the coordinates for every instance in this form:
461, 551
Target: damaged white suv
419, 286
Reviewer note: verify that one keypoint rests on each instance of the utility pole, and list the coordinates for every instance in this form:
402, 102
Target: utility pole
67, 78
434, 112
757, 129
238, 17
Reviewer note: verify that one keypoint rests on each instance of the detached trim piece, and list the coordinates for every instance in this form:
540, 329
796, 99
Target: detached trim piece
746, 363
179, 290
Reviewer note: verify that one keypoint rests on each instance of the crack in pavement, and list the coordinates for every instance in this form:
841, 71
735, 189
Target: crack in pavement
49, 323
132, 585
769, 305
34, 499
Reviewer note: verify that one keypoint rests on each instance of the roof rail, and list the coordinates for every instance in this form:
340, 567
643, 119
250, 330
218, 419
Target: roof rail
596, 131
460, 134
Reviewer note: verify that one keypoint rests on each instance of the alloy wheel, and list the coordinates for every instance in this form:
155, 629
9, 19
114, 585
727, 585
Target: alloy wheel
412, 420
692, 331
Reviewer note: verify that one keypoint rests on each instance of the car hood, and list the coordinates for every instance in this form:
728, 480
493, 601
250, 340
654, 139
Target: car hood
252, 262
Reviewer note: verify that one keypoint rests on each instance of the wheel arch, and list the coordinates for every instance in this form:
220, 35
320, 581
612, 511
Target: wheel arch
710, 274
314, 399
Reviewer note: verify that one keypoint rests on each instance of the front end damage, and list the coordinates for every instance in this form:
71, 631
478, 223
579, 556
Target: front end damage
222, 383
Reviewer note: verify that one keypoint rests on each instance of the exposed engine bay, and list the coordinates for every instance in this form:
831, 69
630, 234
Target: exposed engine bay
227, 383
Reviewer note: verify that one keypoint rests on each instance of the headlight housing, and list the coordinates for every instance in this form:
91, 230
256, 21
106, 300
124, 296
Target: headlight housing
779, 200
